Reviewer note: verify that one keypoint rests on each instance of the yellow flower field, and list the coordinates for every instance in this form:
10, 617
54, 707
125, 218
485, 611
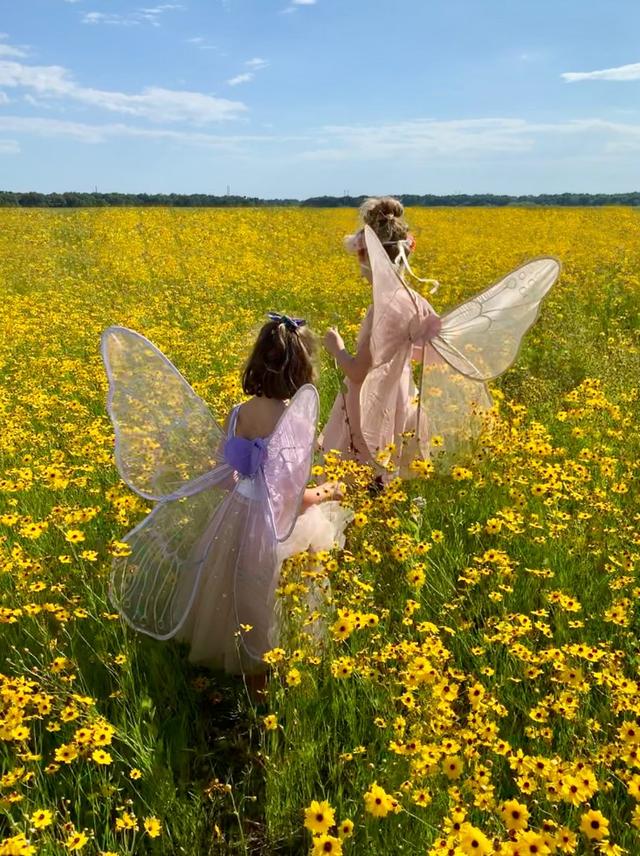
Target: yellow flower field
468, 684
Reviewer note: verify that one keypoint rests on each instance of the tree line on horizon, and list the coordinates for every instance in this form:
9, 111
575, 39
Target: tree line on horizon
10, 199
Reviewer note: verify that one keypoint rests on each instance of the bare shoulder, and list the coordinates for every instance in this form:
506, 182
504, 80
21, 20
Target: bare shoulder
258, 417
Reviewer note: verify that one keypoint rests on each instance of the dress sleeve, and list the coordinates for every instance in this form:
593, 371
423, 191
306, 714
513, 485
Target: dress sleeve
363, 350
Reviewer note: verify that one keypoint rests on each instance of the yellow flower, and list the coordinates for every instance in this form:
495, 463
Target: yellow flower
135, 774
633, 786
66, 753
474, 842
421, 797
319, 817
532, 843
514, 815
345, 830
126, 821
293, 677
103, 734
342, 628
76, 841
41, 818
566, 840
342, 667
101, 757
378, 802
270, 722
74, 536
17, 845
152, 827
594, 825
452, 767
326, 844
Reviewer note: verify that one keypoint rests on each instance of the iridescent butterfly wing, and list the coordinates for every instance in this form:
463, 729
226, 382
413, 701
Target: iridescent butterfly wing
167, 444
478, 341
289, 457
165, 434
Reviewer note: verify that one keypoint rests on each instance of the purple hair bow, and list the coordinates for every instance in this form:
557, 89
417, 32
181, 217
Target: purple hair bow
245, 456
290, 323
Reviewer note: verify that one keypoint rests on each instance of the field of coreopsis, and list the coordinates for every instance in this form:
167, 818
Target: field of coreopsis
472, 683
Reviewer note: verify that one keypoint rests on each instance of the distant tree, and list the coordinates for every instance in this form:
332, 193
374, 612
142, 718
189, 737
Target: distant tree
203, 200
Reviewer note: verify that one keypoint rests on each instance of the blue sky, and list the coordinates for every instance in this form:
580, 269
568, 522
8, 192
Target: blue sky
307, 97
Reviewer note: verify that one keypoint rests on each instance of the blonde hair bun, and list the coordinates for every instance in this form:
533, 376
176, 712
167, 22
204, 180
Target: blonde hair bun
384, 215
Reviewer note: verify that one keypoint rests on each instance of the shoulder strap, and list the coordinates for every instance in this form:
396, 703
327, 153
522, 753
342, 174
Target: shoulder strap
233, 421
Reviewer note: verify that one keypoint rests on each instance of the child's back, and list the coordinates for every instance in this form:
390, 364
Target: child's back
258, 417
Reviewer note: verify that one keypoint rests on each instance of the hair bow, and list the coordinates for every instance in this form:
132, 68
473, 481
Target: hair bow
290, 323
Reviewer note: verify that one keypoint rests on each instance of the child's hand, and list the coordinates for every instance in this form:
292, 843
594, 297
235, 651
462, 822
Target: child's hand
333, 342
331, 490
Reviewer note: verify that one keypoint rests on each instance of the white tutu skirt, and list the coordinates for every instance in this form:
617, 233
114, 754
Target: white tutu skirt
213, 629
321, 527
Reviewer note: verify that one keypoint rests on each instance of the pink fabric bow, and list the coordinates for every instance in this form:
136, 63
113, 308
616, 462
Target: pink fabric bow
429, 327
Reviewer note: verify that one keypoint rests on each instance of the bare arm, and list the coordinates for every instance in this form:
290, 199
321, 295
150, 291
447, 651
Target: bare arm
355, 366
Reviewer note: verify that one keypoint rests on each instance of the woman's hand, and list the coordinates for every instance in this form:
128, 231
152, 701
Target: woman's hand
333, 342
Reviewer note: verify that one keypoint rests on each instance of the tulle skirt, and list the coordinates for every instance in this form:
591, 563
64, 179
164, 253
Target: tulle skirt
234, 618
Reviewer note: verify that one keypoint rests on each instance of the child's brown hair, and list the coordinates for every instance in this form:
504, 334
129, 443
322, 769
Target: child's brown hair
282, 359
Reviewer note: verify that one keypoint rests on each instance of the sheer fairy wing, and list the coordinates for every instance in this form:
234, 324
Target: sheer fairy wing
153, 587
165, 434
289, 456
397, 315
453, 408
481, 338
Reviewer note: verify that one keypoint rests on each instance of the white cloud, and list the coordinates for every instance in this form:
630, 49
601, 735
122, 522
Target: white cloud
255, 64
147, 15
464, 142
4, 98
154, 103
295, 5
92, 134
9, 147
109, 18
241, 78
621, 72
461, 139
9, 50
202, 44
